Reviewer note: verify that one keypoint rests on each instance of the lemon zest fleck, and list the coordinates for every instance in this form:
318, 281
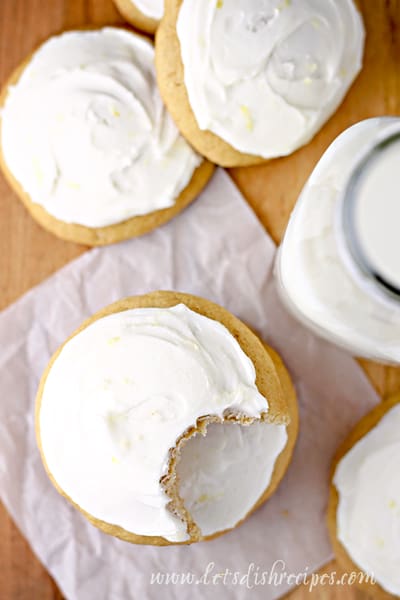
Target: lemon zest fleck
247, 116
203, 498
73, 185
284, 4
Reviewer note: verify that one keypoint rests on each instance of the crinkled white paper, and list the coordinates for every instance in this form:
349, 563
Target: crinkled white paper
219, 250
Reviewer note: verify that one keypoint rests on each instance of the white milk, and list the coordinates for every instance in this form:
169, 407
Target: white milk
339, 263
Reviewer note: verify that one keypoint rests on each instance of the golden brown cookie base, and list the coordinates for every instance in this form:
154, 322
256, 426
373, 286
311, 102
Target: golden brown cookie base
170, 76
342, 556
272, 380
135, 17
100, 236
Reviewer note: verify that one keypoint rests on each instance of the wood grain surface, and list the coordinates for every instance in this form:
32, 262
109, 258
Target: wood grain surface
28, 254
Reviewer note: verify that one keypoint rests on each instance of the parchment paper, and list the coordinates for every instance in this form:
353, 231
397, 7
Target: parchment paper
219, 250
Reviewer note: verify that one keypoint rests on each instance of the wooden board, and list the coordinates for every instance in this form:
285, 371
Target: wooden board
28, 254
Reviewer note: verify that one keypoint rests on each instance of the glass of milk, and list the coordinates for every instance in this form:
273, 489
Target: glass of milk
339, 263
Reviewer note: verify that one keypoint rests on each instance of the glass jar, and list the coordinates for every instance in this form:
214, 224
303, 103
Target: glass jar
338, 266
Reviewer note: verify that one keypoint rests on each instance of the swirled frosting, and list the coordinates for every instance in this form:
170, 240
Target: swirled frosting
86, 135
124, 390
368, 515
151, 8
264, 75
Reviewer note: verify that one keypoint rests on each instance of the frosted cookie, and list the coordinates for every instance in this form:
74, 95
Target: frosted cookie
143, 14
87, 143
247, 81
364, 507
165, 420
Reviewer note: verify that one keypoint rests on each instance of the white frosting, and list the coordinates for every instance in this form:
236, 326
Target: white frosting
264, 75
224, 473
368, 516
122, 392
85, 133
151, 8
316, 281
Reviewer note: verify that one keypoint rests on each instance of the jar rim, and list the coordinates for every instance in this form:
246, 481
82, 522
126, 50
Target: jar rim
350, 247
